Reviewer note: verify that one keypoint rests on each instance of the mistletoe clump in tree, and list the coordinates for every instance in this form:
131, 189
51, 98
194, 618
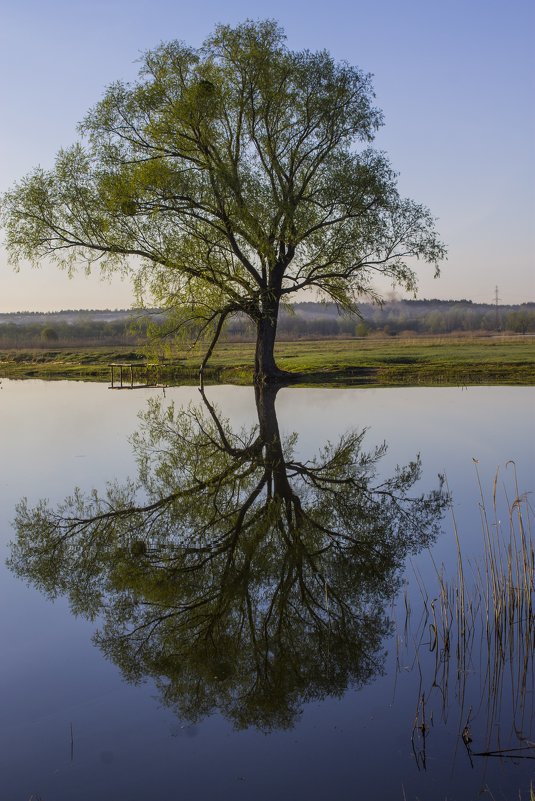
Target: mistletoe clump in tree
226, 179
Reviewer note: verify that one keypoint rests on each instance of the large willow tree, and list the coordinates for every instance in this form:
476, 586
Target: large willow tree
227, 178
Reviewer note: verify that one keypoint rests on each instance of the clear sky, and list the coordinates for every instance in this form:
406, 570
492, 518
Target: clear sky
454, 78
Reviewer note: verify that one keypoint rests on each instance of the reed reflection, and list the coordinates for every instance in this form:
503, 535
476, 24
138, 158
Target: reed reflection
238, 577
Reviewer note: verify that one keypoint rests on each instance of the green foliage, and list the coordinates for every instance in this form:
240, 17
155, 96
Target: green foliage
49, 334
520, 321
227, 178
237, 576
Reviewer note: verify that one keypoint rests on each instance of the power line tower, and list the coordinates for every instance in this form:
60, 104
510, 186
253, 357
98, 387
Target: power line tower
496, 302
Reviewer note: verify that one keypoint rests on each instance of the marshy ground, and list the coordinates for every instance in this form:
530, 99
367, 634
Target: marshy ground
416, 361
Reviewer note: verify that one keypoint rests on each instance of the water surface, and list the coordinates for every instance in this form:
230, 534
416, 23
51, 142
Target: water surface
72, 726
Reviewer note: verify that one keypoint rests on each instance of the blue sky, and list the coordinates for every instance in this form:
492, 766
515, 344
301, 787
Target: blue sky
455, 80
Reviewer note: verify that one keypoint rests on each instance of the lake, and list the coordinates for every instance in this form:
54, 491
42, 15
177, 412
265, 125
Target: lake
267, 597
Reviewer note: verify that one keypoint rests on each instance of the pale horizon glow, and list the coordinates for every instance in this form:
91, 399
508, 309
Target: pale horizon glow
455, 81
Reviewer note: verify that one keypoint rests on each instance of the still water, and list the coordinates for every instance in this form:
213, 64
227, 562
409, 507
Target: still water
260, 612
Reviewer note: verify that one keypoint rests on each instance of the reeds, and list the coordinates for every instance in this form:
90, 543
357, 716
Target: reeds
480, 623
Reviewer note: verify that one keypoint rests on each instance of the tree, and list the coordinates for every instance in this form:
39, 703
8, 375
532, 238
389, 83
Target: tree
238, 577
49, 334
233, 175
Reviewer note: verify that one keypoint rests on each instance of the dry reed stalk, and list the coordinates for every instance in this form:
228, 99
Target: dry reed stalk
494, 610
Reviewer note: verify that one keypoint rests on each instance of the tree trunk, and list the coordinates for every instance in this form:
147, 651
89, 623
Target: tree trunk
274, 461
266, 370
267, 416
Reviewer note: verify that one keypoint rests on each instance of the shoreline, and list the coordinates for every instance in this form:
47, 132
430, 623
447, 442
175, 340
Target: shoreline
389, 362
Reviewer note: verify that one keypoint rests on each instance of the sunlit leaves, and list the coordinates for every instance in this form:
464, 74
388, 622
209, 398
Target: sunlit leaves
242, 166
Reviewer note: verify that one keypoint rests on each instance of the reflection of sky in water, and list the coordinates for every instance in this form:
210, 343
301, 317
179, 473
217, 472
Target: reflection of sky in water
57, 435
56, 431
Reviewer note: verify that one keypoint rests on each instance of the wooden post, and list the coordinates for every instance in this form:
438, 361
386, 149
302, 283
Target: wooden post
148, 375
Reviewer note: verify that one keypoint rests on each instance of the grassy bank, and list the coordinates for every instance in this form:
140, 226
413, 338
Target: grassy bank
429, 360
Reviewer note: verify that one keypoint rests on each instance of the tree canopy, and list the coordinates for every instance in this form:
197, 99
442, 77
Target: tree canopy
227, 178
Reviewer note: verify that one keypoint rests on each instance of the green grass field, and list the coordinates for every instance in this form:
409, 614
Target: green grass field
422, 360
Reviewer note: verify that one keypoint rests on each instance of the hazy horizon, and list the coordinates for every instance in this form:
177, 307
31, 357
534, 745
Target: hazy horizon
118, 309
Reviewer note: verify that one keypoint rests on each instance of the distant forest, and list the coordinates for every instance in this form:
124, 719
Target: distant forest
73, 328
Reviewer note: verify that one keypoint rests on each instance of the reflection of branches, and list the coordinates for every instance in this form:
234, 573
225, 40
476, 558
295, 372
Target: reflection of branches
238, 576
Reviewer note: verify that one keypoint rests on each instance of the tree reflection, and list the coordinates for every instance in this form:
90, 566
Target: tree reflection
238, 577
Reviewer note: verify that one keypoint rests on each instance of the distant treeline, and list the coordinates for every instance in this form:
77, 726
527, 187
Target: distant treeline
73, 328
75, 332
